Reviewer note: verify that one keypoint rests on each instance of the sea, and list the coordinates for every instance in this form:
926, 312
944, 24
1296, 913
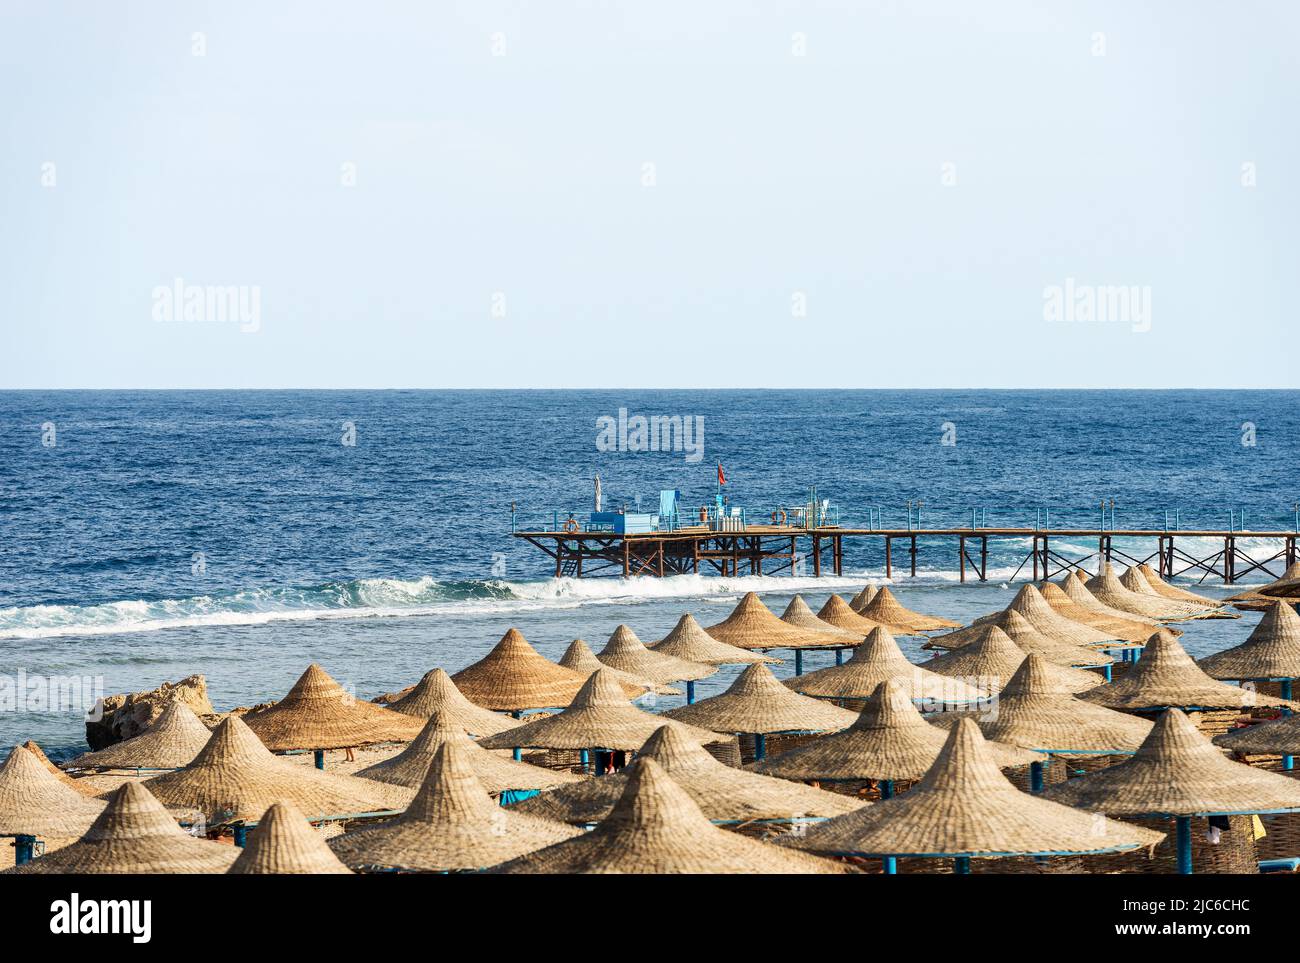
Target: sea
149, 535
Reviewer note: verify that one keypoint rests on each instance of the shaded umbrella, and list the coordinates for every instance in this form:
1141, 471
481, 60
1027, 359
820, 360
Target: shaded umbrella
860, 601
1271, 651
798, 614
752, 625
1075, 585
83, 786
889, 742
963, 808
579, 658
888, 611
173, 740
235, 778
320, 714
689, 641
836, 611
1136, 582
1036, 711
285, 843
134, 834
409, 767
1178, 772
1171, 591
1261, 596
514, 676
600, 717
724, 794
1109, 589
756, 703
657, 828
436, 693
1281, 736
33, 802
1127, 628
625, 652
875, 660
1030, 603
452, 825
1168, 677
991, 659
1024, 634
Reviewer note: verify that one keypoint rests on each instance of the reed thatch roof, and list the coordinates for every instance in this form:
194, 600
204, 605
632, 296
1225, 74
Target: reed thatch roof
579, 657
988, 662
888, 611
1271, 651
34, 802
173, 740
435, 693
689, 641
752, 625
515, 676
284, 843
625, 652
757, 703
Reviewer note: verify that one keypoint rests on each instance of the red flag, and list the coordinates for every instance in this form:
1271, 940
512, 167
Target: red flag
722, 479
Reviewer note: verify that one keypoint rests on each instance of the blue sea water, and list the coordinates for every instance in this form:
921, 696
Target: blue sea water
148, 535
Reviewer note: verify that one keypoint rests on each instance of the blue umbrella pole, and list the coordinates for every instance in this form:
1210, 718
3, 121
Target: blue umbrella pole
518, 754
24, 849
886, 789
320, 758
961, 865
1183, 826
690, 693
1035, 777
241, 836
760, 746
890, 866
839, 656
798, 661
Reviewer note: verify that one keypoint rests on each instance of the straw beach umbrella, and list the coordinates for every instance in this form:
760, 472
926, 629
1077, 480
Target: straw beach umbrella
963, 808
1166, 677
1108, 588
877, 659
33, 802
656, 827
888, 611
863, 598
1262, 596
1025, 635
235, 778
435, 693
579, 658
514, 676
1178, 772
134, 834
626, 653
1136, 582
173, 740
689, 641
798, 614
285, 843
497, 775
724, 794
452, 825
1170, 591
1075, 586
600, 717
993, 658
836, 611
752, 625
83, 786
757, 704
1271, 651
1125, 628
319, 714
1281, 737
890, 742
1030, 603
1035, 711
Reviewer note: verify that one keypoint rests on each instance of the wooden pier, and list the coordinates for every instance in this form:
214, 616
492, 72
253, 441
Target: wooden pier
773, 549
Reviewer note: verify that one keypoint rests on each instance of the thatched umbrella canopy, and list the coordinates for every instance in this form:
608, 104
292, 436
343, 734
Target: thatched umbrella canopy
514, 676
33, 802
1271, 651
625, 652
965, 807
837, 612
724, 794
452, 825
318, 713
600, 717
235, 777
1108, 589
1167, 677
435, 693
890, 741
1123, 628
879, 658
1171, 591
496, 773
888, 611
689, 641
284, 843
989, 661
757, 703
1027, 636
798, 614
752, 625
1262, 596
1035, 711
134, 834
1281, 736
1030, 603
1137, 583
657, 828
173, 740
1075, 586
83, 786
579, 657
1178, 772
863, 598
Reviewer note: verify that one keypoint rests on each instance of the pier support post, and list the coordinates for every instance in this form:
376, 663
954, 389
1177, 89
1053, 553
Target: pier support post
817, 556
1229, 559
961, 556
838, 542
913, 550
889, 566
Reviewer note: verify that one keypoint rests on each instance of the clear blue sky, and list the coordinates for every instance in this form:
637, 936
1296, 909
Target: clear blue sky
522, 174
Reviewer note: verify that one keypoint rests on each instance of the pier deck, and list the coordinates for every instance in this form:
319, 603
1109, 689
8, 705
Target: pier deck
772, 549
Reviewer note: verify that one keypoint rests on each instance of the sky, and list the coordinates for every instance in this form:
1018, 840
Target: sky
582, 194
